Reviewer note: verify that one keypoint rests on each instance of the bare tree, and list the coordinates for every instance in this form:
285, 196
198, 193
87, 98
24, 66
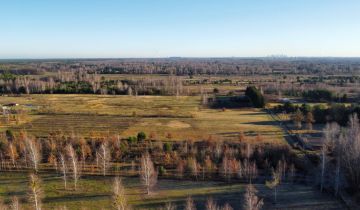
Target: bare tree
292, 172
249, 170
74, 163
227, 207
309, 120
323, 159
331, 133
33, 152
225, 168
15, 204
190, 205
2, 205
180, 168
169, 206
297, 118
249, 150
251, 200
193, 167
119, 197
85, 151
12, 152
211, 204
63, 169
35, 191
104, 155
274, 183
148, 174
350, 155
338, 163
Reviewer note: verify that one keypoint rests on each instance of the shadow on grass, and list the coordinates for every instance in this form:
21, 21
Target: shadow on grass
76, 197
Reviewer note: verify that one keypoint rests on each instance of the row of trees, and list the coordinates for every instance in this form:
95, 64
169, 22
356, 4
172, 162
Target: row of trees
84, 83
192, 66
74, 155
305, 113
148, 177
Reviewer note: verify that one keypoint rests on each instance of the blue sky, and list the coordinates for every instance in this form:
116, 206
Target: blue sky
189, 28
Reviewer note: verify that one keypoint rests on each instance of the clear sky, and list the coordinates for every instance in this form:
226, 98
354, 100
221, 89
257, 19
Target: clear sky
189, 28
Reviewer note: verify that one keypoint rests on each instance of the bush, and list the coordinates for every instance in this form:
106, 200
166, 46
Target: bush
167, 147
141, 136
132, 139
162, 171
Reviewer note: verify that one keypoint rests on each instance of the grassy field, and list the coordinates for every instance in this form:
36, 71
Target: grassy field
182, 117
94, 193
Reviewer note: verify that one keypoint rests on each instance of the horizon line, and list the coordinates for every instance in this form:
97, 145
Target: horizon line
174, 57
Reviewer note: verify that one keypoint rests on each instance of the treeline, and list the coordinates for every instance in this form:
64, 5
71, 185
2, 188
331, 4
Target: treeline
194, 66
252, 98
84, 83
322, 95
338, 113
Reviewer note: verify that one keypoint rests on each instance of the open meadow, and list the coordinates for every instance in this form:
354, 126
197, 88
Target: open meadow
163, 117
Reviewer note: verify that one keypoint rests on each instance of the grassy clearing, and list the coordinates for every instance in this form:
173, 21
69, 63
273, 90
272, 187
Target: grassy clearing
182, 117
95, 193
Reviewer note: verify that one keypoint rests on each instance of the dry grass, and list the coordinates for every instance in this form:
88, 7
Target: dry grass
95, 193
182, 117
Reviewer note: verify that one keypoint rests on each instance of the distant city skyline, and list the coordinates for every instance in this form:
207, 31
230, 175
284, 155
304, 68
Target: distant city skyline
184, 28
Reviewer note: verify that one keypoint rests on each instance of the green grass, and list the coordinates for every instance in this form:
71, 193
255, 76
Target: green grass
183, 117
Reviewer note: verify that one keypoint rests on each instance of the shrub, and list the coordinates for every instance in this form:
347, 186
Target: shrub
132, 139
167, 147
162, 171
141, 136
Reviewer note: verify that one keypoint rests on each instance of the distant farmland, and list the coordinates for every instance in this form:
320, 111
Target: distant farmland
165, 117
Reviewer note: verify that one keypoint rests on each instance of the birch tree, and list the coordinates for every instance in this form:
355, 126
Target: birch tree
350, 154
73, 158
15, 204
119, 197
274, 183
227, 207
33, 150
104, 155
63, 169
211, 204
148, 174
12, 152
35, 191
169, 206
251, 200
190, 205
338, 163
331, 133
